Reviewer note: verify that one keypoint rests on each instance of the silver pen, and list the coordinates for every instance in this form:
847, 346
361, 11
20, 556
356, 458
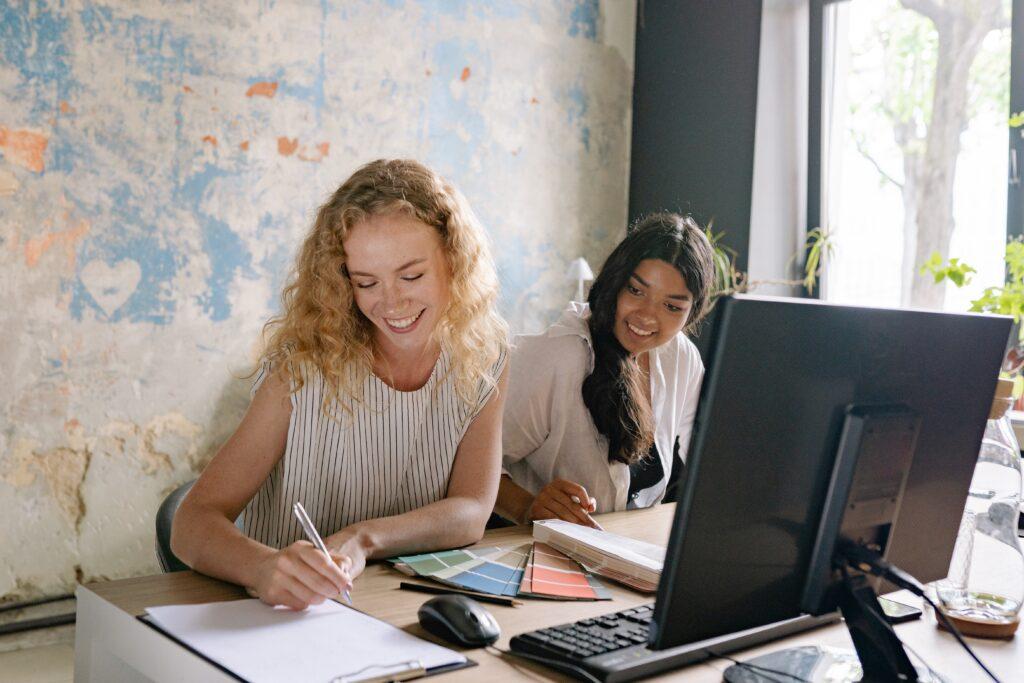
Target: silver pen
314, 537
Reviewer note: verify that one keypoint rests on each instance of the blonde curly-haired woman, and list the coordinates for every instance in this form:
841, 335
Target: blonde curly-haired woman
377, 403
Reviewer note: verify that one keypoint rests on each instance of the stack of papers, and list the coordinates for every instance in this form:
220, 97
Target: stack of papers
526, 570
626, 560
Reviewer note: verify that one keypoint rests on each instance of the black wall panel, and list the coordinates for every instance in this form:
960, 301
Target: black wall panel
694, 108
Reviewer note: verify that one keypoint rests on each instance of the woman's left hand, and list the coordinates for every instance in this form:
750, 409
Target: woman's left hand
349, 550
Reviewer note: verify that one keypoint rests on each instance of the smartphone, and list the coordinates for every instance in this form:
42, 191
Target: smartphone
897, 612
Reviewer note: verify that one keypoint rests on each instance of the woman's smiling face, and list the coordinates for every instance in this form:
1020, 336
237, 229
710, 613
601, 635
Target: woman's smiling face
399, 277
652, 307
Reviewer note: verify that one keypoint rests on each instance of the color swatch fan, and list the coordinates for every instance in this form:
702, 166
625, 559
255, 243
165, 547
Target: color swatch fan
550, 574
496, 570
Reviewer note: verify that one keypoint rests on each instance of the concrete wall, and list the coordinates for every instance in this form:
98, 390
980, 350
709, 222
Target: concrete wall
159, 163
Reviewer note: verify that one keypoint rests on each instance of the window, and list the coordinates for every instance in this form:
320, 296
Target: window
911, 157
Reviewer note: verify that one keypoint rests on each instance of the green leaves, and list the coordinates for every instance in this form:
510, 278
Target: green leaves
957, 272
819, 243
727, 279
1017, 120
1005, 300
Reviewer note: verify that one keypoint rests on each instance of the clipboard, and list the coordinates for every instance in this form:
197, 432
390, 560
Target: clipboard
220, 632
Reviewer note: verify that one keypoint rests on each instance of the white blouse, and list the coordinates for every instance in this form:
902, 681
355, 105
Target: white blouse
548, 433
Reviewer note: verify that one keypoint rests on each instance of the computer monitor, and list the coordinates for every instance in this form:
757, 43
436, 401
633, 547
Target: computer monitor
781, 376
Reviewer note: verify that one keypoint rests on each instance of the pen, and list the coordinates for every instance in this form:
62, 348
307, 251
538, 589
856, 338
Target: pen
314, 537
576, 499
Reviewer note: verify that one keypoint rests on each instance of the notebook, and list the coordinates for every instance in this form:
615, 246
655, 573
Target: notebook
326, 642
626, 560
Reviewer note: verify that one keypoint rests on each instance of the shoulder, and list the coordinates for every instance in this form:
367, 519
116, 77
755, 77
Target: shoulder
553, 353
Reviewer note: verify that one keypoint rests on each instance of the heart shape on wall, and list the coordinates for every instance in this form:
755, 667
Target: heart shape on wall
111, 286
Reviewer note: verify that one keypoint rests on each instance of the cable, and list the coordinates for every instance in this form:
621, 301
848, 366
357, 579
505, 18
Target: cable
757, 668
554, 663
32, 603
956, 634
880, 618
870, 562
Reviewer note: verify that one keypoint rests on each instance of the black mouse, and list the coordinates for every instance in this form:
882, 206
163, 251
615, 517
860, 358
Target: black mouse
459, 620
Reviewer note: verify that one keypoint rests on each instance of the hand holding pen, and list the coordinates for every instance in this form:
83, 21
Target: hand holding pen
298, 576
563, 499
314, 537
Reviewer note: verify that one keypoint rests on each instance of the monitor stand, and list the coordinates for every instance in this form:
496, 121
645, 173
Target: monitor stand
875, 452
879, 653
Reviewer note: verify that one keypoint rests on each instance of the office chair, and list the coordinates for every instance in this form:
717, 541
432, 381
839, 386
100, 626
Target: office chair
164, 521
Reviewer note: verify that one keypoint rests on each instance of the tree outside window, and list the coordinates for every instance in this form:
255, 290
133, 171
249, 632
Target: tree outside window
915, 123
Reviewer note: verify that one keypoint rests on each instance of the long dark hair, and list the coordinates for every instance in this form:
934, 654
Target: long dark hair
614, 392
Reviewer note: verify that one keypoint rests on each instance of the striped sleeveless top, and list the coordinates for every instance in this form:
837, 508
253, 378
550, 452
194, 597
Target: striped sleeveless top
392, 453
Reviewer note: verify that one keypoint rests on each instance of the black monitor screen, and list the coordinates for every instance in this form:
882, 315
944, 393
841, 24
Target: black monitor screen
780, 375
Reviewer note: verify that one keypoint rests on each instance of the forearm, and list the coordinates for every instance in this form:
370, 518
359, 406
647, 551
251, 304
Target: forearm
211, 544
449, 523
513, 500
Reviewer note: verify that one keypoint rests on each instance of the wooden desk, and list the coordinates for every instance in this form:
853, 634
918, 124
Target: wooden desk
112, 645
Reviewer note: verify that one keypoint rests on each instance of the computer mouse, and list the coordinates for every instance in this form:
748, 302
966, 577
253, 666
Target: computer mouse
459, 620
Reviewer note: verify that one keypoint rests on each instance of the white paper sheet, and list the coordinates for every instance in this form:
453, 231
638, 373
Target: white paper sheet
327, 641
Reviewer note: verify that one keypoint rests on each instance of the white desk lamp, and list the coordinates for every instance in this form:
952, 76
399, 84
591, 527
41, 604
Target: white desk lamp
579, 270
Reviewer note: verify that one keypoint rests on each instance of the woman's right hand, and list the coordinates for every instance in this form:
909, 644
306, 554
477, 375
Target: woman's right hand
556, 501
298, 576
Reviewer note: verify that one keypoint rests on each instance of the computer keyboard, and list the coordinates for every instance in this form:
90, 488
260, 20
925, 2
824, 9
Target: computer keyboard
587, 638
610, 648
613, 647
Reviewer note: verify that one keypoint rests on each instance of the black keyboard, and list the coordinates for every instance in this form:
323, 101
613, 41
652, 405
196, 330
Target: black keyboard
613, 647
588, 637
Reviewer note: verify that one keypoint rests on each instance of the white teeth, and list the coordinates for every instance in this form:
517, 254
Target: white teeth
638, 331
403, 323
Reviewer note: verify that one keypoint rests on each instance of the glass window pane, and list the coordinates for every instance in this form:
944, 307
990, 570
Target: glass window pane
914, 147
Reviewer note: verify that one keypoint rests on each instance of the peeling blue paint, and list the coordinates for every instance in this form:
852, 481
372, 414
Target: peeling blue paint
36, 44
227, 254
160, 55
464, 9
583, 18
575, 103
225, 251
148, 90
519, 271
456, 130
152, 301
152, 45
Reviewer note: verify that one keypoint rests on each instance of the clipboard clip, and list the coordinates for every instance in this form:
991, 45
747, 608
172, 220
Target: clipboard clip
384, 673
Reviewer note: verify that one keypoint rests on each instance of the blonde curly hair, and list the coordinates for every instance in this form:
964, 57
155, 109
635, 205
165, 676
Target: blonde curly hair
320, 325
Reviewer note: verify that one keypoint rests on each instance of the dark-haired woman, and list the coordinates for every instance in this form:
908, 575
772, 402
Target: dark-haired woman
601, 403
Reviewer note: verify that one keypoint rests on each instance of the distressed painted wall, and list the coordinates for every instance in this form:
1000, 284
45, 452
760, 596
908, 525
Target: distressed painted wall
160, 161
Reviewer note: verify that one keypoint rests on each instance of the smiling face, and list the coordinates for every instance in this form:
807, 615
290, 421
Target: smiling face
652, 306
400, 279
